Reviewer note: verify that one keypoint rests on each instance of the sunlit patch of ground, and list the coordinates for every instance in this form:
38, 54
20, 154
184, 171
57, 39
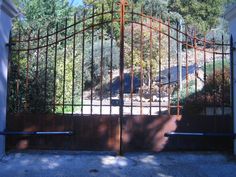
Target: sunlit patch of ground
84, 164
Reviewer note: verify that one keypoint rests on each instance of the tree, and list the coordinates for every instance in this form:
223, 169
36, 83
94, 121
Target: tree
199, 15
38, 94
38, 14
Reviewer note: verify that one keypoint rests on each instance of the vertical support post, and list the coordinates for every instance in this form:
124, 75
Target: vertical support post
122, 5
230, 16
7, 12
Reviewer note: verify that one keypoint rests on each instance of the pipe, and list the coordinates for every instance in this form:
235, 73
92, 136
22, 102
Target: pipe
173, 134
35, 133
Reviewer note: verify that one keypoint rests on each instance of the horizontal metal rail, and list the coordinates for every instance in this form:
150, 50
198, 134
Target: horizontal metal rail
35, 133
202, 134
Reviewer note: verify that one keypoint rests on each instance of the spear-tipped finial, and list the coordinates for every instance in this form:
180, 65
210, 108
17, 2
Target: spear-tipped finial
123, 2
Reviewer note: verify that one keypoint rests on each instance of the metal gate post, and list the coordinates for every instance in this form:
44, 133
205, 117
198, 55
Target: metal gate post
7, 12
230, 15
122, 5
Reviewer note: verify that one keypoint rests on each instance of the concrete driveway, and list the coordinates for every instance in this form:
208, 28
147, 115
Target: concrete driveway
94, 164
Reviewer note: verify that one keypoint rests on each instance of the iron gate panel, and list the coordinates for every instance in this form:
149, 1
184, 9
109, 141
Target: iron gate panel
122, 64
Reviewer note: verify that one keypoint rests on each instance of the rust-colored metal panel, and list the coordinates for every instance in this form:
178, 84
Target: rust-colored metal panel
147, 132
90, 132
140, 133
202, 123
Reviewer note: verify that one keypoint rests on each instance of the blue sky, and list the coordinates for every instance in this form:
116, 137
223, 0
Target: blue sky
76, 2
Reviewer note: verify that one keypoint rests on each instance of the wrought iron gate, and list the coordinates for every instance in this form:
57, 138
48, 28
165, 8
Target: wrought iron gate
118, 77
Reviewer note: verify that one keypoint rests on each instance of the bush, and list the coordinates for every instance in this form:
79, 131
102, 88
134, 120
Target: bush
214, 93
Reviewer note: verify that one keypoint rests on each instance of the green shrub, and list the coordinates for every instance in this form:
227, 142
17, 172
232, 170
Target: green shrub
214, 93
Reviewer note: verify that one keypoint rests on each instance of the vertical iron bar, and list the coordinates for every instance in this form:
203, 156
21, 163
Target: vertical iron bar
122, 4
141, 64
223, 77
214, 86
39, 121
150, 69
205, 96
195, 63
111, 56
186, 34
45, 78
9, 88
232, 76
73, 75
82, 75
18, 74
101, 63
55, 70
169, 66
132, 60
177, 56
37, 56
92, 55
73, 63
214, 79
27, 75
46, 68
37, 65
64, 67
160, 84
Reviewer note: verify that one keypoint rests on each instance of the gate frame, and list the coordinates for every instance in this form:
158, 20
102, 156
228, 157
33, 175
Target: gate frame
123, 4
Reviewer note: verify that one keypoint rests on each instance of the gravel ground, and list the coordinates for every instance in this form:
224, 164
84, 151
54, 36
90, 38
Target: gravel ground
103, 164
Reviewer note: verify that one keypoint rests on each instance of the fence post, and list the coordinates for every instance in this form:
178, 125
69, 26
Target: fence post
7, 12
230, 16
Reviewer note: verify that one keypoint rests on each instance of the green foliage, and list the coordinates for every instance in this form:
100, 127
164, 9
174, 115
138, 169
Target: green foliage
38, 14
97, 59
183, 93
218, 66
211, 94
194, 103
36, 84
37, 93
100, 6
147, 51
198, 15
158, 9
